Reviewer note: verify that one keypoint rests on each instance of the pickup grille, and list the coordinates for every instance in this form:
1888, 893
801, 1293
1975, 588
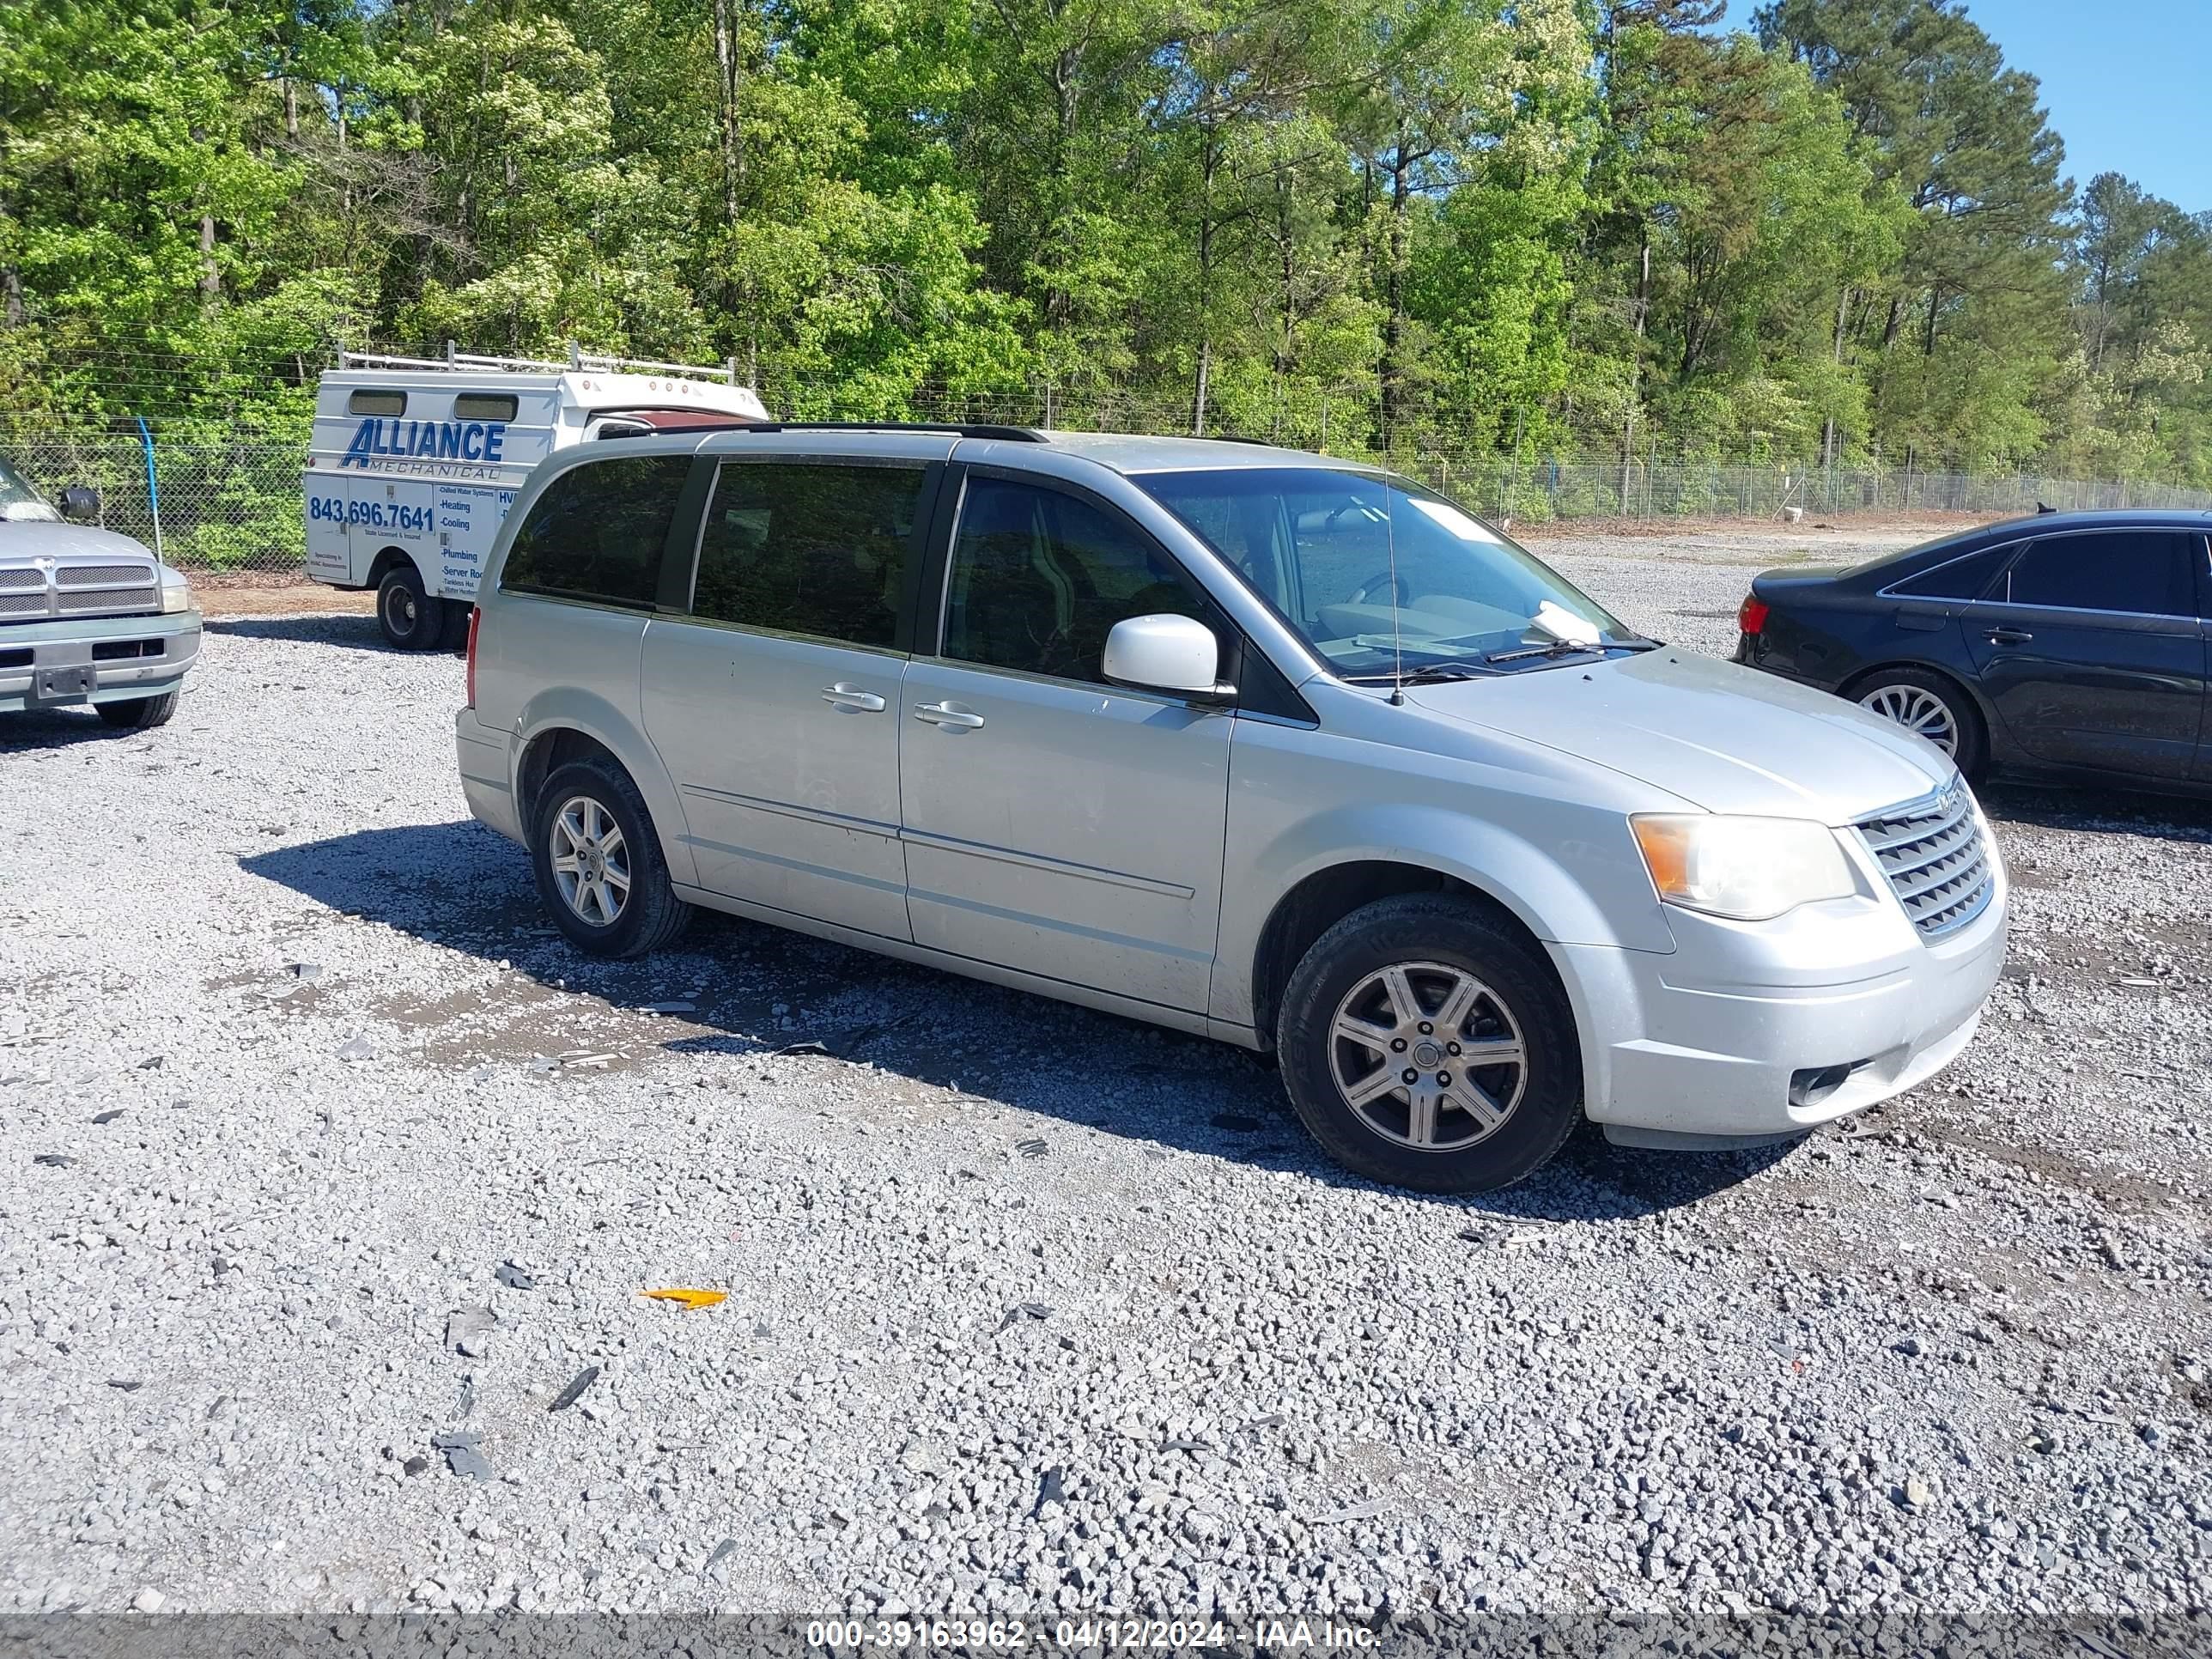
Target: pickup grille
41, 594
1931, 850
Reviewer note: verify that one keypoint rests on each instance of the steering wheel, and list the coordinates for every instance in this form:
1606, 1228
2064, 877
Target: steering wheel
1383, 578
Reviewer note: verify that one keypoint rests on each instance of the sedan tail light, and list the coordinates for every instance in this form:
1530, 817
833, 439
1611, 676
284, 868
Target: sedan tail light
1750, 615
475, 616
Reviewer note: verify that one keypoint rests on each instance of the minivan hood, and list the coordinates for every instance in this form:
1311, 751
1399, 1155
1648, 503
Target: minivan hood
24, 539
1725, 737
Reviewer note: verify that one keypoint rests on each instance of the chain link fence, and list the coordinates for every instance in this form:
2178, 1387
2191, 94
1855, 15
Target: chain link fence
237, 507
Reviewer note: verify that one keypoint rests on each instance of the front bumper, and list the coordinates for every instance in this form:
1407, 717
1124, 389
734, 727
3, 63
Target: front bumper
1703, 1045
53, 664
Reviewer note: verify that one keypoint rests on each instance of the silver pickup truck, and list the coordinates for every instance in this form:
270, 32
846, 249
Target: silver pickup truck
87, 616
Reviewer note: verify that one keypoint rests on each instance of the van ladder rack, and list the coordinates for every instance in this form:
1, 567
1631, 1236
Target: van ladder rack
577, 360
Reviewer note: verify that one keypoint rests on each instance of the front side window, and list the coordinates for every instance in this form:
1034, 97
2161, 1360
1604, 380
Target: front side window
1038, 579
820, 551
19, 503
598, 533
1373, 570
2145, 573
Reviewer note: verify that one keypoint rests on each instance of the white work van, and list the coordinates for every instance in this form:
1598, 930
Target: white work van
415, 461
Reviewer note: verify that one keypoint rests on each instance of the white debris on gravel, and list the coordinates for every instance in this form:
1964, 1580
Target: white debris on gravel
257, 1351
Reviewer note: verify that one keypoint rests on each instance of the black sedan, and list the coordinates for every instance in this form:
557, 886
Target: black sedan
2068, 647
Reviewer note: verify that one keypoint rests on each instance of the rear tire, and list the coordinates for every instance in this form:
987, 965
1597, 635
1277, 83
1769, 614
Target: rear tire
138, 713
599, 865
410, 619
1931, 707
1431, 987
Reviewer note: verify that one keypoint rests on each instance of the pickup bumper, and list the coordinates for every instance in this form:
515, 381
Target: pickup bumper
87, 660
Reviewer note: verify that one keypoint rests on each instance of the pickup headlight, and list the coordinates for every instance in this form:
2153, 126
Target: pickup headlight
1751, 869
176, 593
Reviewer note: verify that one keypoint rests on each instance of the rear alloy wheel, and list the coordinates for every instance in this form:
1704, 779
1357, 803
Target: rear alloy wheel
1924, 705
598, 863
410, 619
1424, 1044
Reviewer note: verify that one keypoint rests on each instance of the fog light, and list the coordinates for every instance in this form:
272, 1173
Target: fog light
1812, 1084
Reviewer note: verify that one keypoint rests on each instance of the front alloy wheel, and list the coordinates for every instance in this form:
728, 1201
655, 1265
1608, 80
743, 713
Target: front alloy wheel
1428, 1055
590, 860
1425, 1041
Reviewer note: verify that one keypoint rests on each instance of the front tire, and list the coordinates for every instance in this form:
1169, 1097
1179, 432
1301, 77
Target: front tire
1928, 706
138, 713
599, 865
410, 618
1424, 1044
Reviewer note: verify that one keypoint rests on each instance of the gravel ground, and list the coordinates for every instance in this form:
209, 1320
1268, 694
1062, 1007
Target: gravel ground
333, 1176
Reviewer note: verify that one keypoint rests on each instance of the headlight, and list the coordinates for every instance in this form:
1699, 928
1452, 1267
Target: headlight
1751, 869
176, 593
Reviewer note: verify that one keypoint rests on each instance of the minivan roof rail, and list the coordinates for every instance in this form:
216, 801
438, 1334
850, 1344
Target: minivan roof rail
1020, 434
577, 360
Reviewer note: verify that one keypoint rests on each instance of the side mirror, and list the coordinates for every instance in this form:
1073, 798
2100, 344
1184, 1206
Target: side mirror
80, 504
1166, 654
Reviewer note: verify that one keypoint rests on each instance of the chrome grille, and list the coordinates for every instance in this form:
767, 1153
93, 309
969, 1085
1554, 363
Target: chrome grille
1931, 850
103, 575
38, 591
104, 601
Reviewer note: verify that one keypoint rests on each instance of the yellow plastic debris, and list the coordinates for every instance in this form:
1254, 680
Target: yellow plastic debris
689, 1298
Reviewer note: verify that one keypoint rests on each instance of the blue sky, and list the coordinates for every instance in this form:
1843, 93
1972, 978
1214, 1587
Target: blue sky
2126, 83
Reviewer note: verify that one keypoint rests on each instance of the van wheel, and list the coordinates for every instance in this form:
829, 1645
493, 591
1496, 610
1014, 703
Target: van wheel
410, 618
599, 864
138, 713
1425, 1045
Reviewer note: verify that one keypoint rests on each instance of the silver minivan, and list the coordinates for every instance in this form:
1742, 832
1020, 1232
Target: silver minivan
1278, 748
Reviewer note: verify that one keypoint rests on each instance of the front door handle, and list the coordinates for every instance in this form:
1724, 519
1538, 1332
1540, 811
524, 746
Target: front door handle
841, 695
2009, 636
949, 714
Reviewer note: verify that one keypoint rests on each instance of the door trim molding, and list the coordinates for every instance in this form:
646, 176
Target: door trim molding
1048, 866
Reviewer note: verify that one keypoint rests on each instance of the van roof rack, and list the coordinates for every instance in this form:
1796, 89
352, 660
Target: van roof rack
577, 360
1020, 434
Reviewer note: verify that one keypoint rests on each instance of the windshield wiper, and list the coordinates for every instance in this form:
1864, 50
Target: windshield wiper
1573, 648
1429, 673
1549, 648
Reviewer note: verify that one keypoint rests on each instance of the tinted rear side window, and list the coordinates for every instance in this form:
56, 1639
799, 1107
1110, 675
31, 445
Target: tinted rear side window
1961, 578
598, 532
2146, 573
820, 551
484, 406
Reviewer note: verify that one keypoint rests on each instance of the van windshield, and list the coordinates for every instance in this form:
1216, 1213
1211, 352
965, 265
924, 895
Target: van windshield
1374, 571
19, 502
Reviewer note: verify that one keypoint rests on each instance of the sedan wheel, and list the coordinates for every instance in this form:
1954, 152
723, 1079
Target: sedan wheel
1918, 710
1428, 1055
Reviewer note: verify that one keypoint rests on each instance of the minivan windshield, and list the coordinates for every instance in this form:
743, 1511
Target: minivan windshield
1377, 571
19, 502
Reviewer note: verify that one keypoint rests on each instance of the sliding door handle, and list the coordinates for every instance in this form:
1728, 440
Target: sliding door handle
950, 715
2009, 636
841, 695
